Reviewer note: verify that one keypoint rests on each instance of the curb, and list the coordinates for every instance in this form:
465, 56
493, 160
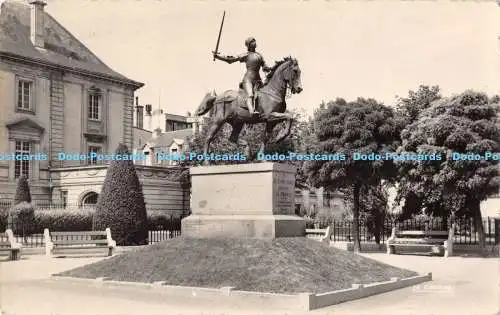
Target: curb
305, 301
314, 301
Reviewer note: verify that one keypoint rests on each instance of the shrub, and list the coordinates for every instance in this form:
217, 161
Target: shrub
21, 218
4, 214
63, 220
309, 222
60, 219
22, 191
323, 220
120, 205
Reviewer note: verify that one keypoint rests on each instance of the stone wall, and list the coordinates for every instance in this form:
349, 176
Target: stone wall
163, 191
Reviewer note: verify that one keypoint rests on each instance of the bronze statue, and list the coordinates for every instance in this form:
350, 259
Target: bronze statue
251, 80
230, 107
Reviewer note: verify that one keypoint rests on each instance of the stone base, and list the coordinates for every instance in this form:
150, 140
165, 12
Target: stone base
246, 226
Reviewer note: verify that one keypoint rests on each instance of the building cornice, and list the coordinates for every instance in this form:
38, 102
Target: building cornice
136, 85
78, 168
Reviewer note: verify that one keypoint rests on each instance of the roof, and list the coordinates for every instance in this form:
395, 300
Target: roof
166, 138
62, 49
177, 118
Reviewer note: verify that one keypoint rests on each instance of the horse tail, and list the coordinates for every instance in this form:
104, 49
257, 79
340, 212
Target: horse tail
206, 104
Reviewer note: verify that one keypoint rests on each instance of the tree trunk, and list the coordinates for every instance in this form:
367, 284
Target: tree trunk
379, 223
478, 222
355, 214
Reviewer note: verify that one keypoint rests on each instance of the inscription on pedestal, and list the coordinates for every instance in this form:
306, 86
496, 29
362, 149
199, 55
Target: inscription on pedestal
284, 184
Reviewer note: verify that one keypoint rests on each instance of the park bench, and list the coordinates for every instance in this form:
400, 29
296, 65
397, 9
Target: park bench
8, 244
83, 242
322, 235
438, 241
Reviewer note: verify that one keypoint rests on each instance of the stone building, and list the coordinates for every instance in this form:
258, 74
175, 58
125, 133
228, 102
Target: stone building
57, 97
170, 139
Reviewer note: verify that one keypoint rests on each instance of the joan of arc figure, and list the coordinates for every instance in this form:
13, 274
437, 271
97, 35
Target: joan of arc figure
254, 61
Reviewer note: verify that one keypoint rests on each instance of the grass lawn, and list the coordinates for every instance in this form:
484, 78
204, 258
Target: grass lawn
284, 265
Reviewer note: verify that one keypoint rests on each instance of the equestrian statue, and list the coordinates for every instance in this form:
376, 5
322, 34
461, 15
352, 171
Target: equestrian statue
254, 102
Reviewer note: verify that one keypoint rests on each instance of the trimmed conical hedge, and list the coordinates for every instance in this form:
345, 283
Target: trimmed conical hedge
120, 205
22, 213
23, 193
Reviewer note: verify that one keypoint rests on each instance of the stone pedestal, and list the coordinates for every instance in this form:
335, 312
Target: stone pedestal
247, 200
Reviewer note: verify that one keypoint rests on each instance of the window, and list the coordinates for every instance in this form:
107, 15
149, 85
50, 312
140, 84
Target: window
90, 200
22, 166
93, 159
64, 198
94, 106
24, 94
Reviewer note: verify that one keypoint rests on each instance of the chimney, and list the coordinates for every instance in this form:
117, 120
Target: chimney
148, 118
196, 127
36, 26
195, 123
159, 119
139, 119
149, 108
135, 115
157, 132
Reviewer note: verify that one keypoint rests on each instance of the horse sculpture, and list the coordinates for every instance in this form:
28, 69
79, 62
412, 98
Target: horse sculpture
230, 107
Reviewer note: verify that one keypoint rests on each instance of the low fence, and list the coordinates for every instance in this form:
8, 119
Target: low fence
465, 231
164, 228
162, 235
37, 240
74, 217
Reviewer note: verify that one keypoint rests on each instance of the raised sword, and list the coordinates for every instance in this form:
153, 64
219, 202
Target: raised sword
220, 32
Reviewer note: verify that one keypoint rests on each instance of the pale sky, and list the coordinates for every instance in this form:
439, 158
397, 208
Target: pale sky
347, 49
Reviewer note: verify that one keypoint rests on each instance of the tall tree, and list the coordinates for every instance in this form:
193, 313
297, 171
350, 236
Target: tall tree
120, 205
365, 127
373, 208
410, 108
417, 101
464, 124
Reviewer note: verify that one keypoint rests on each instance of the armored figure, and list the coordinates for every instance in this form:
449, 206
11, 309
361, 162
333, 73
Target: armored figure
251, 80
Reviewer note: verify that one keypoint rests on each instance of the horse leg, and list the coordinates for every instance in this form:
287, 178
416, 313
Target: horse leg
279, 117
214, 128
234, 138
288, 131
268, 134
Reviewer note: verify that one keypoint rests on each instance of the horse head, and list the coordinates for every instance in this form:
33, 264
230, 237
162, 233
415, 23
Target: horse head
293, 76
288, 70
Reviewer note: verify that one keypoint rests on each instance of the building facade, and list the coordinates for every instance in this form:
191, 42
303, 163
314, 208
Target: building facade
59, 101
156, 141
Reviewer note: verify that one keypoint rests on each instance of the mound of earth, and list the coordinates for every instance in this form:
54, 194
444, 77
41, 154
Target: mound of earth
283, 265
